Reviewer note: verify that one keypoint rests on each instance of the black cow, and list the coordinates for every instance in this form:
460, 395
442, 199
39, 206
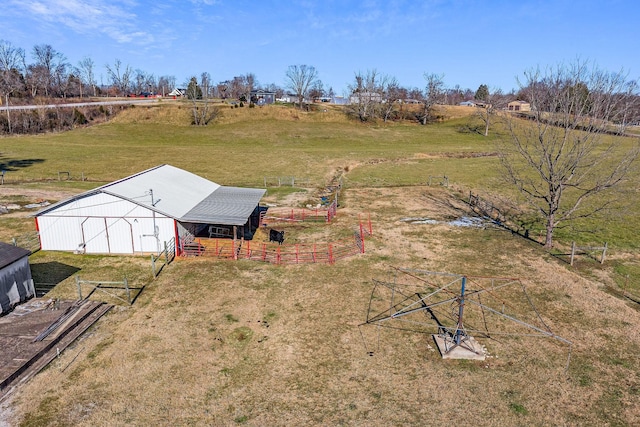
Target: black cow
276, 236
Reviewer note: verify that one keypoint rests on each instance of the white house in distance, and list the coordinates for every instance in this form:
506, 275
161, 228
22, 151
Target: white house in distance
16, 284
137, 214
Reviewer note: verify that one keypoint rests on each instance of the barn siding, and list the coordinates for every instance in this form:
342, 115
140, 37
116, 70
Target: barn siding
104, 224
16, 284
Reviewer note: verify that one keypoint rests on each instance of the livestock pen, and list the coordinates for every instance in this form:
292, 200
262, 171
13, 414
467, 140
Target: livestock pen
298, 253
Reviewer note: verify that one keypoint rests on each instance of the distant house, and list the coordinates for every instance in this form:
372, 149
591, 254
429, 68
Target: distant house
291, 97
16, 284
361, 97
475, 103
339, 100
262, 97
519, 106
177, 92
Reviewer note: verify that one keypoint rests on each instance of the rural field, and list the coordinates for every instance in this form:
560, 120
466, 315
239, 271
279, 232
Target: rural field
218, 342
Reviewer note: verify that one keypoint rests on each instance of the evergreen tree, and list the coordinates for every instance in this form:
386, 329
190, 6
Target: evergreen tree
193, 90
482, 94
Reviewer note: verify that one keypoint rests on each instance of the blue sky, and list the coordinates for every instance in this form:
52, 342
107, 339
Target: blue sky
469, 42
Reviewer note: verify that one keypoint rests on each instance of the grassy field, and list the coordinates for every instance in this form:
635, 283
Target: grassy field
242, 343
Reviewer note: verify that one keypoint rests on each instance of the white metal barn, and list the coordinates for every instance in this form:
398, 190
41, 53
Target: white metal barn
138, 214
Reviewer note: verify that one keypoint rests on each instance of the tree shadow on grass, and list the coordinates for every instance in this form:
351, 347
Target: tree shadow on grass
12, 165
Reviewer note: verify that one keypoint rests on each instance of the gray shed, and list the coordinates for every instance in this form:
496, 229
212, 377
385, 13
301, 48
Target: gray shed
16, 284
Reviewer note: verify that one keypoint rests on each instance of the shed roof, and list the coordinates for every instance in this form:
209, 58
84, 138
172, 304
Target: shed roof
10, 254
226, 205
181, 195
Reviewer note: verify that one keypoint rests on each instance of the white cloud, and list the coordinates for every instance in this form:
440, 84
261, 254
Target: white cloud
206, 2
112, 18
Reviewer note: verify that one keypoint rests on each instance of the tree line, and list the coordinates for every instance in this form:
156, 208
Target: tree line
46, 72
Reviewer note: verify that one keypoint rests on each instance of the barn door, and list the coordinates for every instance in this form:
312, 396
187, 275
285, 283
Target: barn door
107, 236
95, 236
120, 236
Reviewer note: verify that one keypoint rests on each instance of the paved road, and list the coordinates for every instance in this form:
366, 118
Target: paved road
84, 104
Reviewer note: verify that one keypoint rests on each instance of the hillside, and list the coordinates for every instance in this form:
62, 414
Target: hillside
243, 343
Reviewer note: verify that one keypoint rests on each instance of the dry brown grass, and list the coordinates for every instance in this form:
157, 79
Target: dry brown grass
178, 113
172, 113
231, 343
226, 343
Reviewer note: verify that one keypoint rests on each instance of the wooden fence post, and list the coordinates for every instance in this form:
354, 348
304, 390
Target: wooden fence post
126, 286
573, 252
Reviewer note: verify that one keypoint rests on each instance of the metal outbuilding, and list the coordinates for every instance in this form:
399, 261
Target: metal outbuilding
137, 214
16, 284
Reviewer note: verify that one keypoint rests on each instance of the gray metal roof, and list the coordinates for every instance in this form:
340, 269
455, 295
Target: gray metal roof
10, 254
226, 205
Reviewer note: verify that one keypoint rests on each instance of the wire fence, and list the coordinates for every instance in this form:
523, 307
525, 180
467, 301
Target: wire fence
118, 290
29, 241
22, 177
290, 181
158, 262
318, 214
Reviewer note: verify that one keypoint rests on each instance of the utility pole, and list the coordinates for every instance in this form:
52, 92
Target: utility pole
6, 96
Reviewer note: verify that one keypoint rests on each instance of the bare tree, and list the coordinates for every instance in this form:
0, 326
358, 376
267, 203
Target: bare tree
205, 82
490, 103
86, 73
120, 77
11, 59
165, 84
456, 95
250, 83
62, 78
392, 95
272, 87
300, 79
238, 88
222, 89
50, 65
366, 95
434, 93
565, 159
317, 91
202, 109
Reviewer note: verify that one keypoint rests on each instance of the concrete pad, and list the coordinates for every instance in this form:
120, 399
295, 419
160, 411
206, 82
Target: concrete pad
468, 348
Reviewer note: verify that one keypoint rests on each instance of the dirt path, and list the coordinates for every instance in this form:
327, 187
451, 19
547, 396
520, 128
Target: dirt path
34, 193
